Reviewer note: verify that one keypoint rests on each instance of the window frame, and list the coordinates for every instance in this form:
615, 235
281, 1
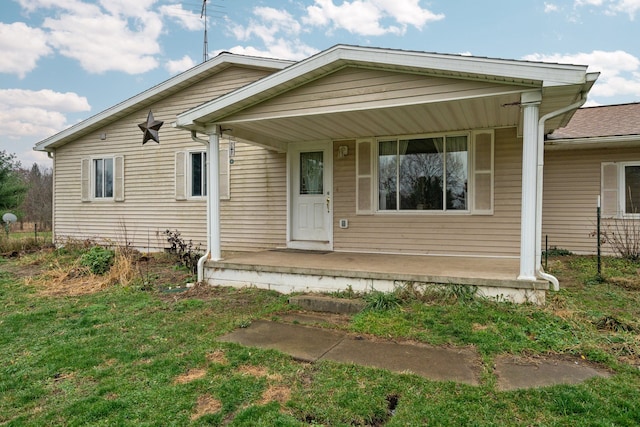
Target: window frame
203, 176
444, 211
92, 180
622, 190
188, 168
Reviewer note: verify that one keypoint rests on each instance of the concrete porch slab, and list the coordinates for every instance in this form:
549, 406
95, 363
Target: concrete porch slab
301, 271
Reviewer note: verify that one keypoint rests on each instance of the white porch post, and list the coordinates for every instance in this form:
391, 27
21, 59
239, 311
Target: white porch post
530, 104
213, 195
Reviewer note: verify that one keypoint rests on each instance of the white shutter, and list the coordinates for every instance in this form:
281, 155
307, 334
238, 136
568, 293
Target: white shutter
224, 174
482, 162
118, 178
85, 180
364, 177
610, 200
181, 179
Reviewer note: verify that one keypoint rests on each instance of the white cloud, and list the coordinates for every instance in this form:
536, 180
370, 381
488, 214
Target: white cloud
588, 2
612, 7
277, 30
180, 65
367, 17
620, 71
281, 49
550, 7
113, 35
630, 7
187, 19
21, 47
267, 24
40, 113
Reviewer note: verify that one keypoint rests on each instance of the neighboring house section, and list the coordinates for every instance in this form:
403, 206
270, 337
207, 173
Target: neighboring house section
596, 155
109, 187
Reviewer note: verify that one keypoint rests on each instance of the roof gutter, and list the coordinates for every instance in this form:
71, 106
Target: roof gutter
539, 177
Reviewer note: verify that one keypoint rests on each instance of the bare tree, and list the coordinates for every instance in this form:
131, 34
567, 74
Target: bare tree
37, 204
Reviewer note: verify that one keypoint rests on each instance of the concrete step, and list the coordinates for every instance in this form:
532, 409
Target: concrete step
327, 304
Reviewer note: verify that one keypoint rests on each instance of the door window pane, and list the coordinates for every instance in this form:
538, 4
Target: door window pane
311, 173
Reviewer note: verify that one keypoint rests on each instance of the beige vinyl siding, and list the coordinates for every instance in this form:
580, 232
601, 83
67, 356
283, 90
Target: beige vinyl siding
255, 217
448, 233
357, 89
150, 205
571, 188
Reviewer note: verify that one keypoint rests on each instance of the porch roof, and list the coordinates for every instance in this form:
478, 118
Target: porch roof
494, 104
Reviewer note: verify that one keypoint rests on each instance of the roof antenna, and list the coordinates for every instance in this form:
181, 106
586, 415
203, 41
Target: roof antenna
205, 49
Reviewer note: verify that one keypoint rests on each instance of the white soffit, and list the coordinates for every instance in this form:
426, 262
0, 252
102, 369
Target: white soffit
534, 74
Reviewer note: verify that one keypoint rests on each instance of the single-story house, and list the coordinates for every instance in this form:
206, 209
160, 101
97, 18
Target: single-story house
357, 167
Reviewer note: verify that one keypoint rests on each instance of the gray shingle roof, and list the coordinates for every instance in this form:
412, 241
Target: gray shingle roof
603, 121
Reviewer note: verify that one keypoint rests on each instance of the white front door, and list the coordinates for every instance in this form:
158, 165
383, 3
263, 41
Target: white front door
311, 197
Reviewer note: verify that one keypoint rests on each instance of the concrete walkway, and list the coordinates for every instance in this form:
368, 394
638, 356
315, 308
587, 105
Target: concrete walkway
463, 365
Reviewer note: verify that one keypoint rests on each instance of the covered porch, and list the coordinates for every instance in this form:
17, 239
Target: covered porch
287, 270
352, 112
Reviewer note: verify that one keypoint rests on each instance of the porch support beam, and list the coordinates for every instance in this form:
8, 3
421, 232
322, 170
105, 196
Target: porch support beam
213, 194
530, 104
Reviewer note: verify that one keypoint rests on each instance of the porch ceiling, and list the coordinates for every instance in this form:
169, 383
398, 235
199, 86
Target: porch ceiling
456, 115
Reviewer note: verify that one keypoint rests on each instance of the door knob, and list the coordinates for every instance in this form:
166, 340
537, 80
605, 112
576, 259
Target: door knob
328, 204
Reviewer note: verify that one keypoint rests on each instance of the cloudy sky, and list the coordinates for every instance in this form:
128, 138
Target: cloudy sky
63, 61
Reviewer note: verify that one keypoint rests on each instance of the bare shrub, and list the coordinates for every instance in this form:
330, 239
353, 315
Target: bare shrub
623, 236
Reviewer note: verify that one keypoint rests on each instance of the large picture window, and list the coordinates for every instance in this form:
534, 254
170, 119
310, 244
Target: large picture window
428, 174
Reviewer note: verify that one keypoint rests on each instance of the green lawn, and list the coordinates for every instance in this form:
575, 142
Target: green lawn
127, 356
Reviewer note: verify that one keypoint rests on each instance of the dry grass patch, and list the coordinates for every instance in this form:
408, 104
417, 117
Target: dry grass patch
258, 372
276, 393
75, 279
191, 375
206, 405
219, 357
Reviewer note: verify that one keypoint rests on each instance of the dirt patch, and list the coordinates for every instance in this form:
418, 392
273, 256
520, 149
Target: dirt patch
191, 375
218, 357
628, 283
206, 405
258, 372
199, 291
275, 393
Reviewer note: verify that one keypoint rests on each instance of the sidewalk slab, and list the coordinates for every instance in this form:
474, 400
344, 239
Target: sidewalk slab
439, 364
300, 342
516, 373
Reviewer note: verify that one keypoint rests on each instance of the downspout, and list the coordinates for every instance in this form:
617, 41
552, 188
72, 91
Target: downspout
52, 156
207, 254
539, 177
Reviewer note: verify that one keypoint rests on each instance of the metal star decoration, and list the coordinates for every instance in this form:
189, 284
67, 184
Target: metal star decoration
150, 129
